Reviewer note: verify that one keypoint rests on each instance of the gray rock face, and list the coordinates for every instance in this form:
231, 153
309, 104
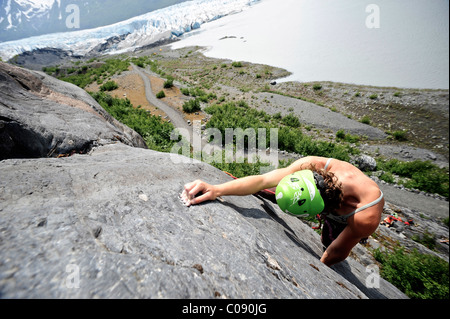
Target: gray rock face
110, 225
43, 117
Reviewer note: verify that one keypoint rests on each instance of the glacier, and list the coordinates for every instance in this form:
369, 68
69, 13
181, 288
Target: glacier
140, 31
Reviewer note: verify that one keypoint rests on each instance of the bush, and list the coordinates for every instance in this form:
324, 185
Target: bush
109, 86
230, 115
86, 75
365, 120
317, 87
168, 83
422, 175
160, 94
191, 106
277, 116
291, 120
399, 135
155, 132
185, 91
240, 170
387, 177
419, 276
341, 135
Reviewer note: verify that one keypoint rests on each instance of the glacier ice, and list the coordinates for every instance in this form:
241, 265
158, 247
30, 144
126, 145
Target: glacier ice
142, 30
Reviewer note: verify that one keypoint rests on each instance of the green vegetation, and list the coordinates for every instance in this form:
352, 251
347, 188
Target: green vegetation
341, 135
155, 132
291, 120
365, 120
109, 86
199, 94
422, 175
168, 83
317, 87
192, 106
160, 94
83, 75
419, 276
240, 170
143, 61
399, 135
427, 239
240, 115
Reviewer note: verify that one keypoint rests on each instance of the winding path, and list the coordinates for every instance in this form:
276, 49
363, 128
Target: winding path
175, 117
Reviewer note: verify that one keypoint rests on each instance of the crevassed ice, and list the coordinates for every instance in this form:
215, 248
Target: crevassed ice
176, 19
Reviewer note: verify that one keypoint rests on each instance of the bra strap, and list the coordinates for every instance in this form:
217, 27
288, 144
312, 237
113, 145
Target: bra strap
328, 164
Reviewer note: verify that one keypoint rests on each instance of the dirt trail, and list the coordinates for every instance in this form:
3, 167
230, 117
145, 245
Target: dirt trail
176, 118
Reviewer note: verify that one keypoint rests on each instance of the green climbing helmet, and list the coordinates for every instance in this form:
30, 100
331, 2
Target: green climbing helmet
297, 194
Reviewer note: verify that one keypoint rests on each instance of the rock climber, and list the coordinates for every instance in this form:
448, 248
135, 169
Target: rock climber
349, 203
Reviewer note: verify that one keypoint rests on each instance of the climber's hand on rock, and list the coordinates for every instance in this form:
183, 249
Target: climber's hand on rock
207, 191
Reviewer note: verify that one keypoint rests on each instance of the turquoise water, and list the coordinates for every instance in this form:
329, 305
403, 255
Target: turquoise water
400, 43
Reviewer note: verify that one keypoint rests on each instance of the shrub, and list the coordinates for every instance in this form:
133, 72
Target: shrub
240, 170
161, 94
387, 177
86, 75
400, 135
422, 175
291, 120
191, 106
419, 276
317, 87
373, 97
109, 86
277, 116
347, 137
340, 134
229, 115
168, 83
155, 132
236, 64
365, 120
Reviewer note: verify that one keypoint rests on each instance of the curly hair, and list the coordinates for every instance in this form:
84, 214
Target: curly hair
331, 193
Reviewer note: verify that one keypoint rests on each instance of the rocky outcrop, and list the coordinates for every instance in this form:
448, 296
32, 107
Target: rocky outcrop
108, 223
39, 58
109, 43
44, 117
